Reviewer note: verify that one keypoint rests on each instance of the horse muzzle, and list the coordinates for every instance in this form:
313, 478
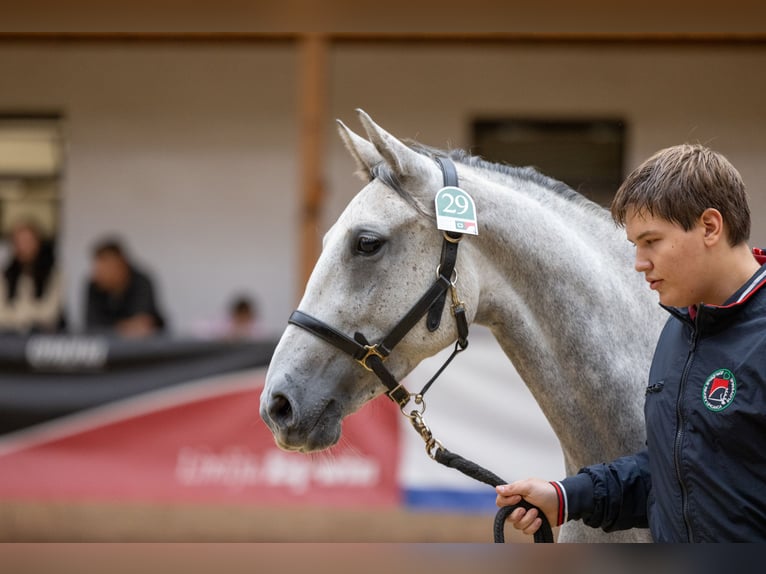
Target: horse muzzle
303, 428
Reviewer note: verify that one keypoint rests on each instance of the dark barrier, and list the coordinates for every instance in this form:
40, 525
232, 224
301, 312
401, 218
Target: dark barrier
43, 377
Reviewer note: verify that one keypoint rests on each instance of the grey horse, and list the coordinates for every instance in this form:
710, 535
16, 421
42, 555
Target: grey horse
549, 274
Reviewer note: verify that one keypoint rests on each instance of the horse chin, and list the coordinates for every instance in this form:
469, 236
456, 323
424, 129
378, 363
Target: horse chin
317, 440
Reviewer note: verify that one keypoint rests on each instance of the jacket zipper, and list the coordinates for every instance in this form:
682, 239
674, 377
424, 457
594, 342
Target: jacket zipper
680, 432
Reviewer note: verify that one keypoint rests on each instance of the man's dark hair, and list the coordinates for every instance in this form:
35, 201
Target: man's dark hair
243, 304
110, 246
679, 183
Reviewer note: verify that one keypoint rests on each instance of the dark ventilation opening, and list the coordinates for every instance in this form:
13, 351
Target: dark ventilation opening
588, 155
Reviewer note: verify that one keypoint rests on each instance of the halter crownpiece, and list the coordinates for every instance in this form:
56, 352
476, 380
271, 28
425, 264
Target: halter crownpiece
454, 207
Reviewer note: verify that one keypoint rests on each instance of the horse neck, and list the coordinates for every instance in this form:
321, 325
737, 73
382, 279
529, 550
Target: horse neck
559, 295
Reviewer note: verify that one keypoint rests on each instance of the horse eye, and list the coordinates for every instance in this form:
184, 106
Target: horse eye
368, 244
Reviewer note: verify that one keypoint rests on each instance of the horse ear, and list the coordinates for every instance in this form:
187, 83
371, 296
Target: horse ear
405, 162
364, 153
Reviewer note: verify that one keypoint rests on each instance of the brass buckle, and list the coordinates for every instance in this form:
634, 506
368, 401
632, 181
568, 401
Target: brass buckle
390, 394
371, 350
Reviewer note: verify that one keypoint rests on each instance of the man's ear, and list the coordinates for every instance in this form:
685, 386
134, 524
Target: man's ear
712, 222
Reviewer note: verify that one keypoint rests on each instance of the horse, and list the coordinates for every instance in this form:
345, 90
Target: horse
549, 273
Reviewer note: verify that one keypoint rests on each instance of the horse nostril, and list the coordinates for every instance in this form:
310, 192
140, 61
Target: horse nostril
280, 410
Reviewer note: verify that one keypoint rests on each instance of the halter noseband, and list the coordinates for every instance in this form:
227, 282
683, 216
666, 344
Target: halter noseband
432, 303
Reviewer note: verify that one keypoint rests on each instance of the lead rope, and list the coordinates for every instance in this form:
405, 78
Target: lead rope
452, 460
470, 468
437, 452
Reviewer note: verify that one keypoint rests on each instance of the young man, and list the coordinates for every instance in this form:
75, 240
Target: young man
701, 477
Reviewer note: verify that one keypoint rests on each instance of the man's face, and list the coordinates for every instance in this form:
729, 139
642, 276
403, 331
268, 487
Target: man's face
671, 258
109, 272
25, 244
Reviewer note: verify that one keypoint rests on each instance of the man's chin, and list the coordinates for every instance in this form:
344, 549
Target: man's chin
670, 301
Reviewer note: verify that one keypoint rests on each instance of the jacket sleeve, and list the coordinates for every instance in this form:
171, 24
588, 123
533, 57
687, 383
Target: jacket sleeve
143, 300
611, 496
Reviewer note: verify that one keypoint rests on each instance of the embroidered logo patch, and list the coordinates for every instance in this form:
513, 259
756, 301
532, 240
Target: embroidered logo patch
719, 390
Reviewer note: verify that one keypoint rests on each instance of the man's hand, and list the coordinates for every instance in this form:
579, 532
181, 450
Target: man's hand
536, 491
136, 327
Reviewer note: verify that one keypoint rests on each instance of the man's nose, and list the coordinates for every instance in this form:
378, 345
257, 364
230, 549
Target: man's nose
642, 264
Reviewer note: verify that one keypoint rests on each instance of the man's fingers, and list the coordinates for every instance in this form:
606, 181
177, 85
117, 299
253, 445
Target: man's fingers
517, 488
515, 516
536, 491
507, 500
527, 520
534, 527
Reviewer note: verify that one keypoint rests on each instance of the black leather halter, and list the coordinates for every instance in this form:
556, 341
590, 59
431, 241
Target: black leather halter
371, 357
432, 303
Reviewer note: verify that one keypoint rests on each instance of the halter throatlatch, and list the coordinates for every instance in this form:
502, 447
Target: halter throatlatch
372, 357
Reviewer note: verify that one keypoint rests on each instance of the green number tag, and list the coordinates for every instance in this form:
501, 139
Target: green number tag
456, 211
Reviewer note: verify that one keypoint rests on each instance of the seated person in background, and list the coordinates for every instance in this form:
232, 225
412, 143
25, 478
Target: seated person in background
243, 316
120, 298
240, 322
30, 288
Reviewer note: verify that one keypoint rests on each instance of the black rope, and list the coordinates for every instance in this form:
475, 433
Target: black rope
473, 470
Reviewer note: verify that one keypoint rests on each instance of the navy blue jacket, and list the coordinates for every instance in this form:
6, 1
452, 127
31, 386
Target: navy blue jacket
702, 477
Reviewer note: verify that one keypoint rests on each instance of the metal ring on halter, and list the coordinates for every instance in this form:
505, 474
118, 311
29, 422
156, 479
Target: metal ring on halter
453, 279
416, 398
452, 239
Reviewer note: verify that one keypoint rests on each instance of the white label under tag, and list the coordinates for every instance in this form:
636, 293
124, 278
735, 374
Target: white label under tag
456, 211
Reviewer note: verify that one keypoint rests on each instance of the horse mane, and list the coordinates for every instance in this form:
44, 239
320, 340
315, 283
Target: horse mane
527, 174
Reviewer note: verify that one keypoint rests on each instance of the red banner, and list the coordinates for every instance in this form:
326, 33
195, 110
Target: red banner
200, 441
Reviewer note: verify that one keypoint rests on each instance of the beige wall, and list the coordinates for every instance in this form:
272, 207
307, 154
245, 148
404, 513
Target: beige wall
191, 151
188, 153
666, 95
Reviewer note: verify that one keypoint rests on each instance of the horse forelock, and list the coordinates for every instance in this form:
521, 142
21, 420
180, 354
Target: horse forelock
385, 175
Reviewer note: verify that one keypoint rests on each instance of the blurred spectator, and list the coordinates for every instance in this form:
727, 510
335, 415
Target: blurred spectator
240, 322
30, 289
243, 319
120, 297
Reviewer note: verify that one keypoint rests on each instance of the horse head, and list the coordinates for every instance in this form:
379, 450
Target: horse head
377, 260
